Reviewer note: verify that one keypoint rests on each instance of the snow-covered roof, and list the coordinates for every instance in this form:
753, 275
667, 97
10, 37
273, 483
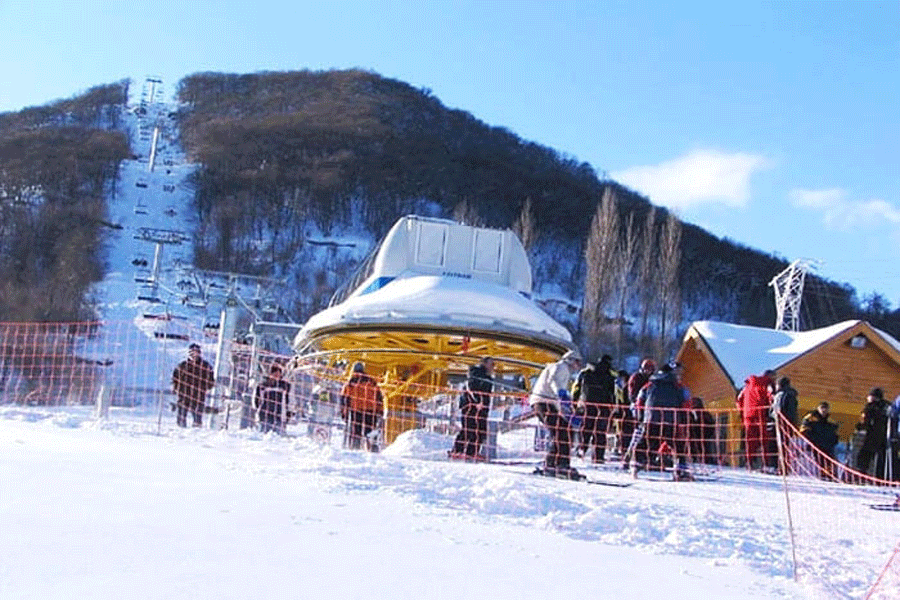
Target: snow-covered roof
743, 350
443, 302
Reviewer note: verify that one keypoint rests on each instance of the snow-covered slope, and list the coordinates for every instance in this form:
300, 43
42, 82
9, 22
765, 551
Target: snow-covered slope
199, 514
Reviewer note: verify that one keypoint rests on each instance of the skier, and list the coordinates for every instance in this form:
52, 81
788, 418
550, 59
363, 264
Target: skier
632, 417
594, 390
664, 419
474, 404
550, 400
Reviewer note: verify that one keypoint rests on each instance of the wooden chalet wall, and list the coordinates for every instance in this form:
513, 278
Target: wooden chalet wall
836, 372
703, 374
842, 375
706, 379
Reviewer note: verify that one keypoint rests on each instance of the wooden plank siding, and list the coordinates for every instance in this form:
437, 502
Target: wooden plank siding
707, 380
834, 371
842, 375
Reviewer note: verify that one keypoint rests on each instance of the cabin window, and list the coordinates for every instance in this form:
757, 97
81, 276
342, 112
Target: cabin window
432, 244
488, 251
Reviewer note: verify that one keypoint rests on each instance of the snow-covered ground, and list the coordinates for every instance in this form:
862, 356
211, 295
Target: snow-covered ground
108, 509
127, 508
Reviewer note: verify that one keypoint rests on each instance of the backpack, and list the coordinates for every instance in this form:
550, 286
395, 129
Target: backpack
663, 394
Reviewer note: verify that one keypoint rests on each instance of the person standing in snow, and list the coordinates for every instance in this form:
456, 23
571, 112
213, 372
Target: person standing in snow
271, 400
754, 402
873, 421
594, 390
191, 379
474, 405
784, 403
630, 420
549, 398
361, 407
664, 402
822, 435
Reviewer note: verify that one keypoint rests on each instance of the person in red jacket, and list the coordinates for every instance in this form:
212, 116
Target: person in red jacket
754, 401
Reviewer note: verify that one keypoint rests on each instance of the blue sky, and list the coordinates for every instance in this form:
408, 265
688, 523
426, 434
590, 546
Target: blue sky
774, 124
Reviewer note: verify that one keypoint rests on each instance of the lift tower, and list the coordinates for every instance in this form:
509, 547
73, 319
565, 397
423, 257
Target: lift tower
788, 287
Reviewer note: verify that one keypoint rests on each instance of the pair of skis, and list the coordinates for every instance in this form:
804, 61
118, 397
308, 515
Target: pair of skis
892, 507
573, 475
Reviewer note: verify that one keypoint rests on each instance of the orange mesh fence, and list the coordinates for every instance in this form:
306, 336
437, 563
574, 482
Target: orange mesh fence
824, 494
129, 371
888, 582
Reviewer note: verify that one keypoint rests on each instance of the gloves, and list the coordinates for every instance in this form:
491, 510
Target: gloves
565, 403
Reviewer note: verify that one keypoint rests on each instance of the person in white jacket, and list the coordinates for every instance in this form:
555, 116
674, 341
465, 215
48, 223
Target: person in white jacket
552, 404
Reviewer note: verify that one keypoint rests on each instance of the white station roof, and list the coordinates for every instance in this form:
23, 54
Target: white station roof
441, 302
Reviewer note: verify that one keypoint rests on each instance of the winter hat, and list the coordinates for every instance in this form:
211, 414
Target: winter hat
648, 365
358, 367
572, 355
877, 393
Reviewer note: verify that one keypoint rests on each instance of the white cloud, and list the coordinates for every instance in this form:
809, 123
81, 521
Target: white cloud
841, 213
699, 177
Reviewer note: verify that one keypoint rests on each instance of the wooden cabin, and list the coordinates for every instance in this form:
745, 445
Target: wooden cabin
838, 364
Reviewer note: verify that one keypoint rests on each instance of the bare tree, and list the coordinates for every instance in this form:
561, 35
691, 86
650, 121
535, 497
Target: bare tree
646, 273
524, 227
626, 257
465, 212
669, 289
600, 257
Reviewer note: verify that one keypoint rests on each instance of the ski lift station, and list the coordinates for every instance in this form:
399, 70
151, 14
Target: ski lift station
432, 298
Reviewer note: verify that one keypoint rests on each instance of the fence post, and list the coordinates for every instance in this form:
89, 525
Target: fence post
101, 410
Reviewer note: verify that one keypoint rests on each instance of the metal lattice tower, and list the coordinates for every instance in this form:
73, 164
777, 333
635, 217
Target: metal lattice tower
788, 287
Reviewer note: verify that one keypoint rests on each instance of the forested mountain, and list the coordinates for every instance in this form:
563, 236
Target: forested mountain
289, 161
58, 166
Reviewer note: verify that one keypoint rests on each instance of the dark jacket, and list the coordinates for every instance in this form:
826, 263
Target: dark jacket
479, 386
874, 421
785, 402
820, 432
191, 379
271, 394
665, 399
596, 384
